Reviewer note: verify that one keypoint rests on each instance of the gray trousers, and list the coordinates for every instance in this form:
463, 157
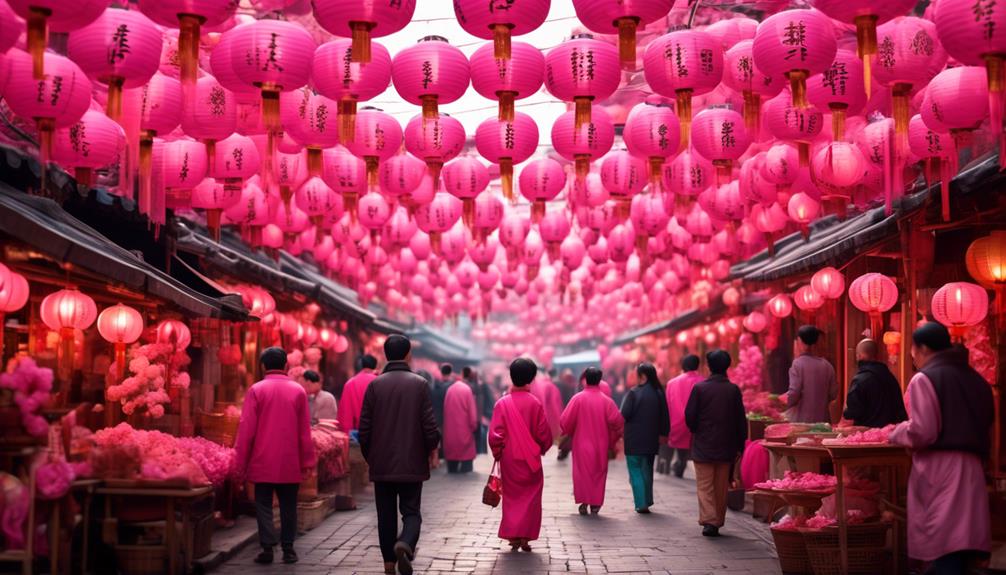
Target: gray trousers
287, 495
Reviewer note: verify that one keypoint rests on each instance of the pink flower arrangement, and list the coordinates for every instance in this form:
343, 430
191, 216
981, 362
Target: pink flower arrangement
982, 355
763, 405
800, 481
53, 479
150, 365
31, 385
294, 358
869, 437
332, 447
163, 457
748, 373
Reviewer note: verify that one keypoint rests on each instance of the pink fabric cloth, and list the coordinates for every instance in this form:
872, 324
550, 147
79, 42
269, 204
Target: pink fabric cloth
948, 506
551, 401
754, 464
351, 403
518, 436
678, 391
593, 421
274, 435
461, 419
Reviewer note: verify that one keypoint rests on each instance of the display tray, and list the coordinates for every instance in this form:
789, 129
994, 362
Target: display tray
865, 450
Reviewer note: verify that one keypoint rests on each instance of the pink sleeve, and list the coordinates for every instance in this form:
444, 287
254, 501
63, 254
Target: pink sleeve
473, 413
567, 422
497, 431
246, 432
923, 427
542, 432
307, 455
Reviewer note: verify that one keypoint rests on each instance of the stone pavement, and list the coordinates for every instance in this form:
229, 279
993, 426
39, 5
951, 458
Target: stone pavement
459, 534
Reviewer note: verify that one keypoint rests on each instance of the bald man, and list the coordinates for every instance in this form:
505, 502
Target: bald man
874, 398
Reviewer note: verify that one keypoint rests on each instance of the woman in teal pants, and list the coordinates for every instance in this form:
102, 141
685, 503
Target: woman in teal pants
646, 421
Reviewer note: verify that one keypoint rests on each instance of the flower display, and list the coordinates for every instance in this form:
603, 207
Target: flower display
31, 385
762, 405
53, 479
332, 448
982, 355
873, 436
153, 367
800, 481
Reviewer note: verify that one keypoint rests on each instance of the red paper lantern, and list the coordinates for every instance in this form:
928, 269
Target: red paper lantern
755, 322
807, 299
780, 306
829, 282
65, 311
174, 332
874, 294
959, 305
120, 325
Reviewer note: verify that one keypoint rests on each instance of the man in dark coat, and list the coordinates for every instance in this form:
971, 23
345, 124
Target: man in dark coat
399, 438
646, 422
874, 398
439, 395
715, 416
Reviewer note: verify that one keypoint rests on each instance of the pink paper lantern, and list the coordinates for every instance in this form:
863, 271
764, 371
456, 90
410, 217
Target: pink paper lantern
960, 305
213, 116
430, 73
438, 216
584, 144
623, 175
807, 299
506, 144
174, 333
346, 174
939, 154
608, 16
182, 164
683, 64
541, 181
214, 197
582, 70
621, 242
780, 306
956, 100
290, 219
740, 74
510, 79
465, 178
399, 228
554, 227
513, 230
320, 202
732, 31
652, 132
66, 310
688, 176
362, 21
839, 89
221, 67
839, 164
755, 322
719, 135
786, 121
572, 251
781, 166
401, 174
10, 29
648, 216
874, 294
378, 137
235, 160
44, 16
188, 16
309, 119
373, 211
803, 209
120, 49
435, 141
499, 20
829, 282
795, 44
488, 214
95, 141
484, 253
725, 202
336, 75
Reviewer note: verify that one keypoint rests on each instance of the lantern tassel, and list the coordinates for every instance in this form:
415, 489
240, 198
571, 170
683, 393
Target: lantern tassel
113, 108
211, 155
38, 31
866, 47
537, 211
435, 167
838, 114
803, 151
65, 359
582, 166
146, 167
900, 94
347, 120
373, 172
350, 200
752, 112
430, 109
684, 109
506, 105
627, 41
582, 105
468, 212
996, 71
314, 161
945, 173
360, 50
506, 178
501, 41
724, 169
213, 223
656, 172
46, 128
798, 88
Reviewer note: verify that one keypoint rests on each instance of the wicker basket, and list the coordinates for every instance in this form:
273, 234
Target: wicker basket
141, 559
792, 552
218, 427
867, 544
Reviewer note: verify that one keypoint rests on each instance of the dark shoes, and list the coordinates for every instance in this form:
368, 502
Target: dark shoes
710, 531
265, 557
289, 556
583, 509
679, 470
405, 554
389, 568
595, 509
643, 511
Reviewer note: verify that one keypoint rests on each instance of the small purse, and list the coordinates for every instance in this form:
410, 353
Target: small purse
492, 494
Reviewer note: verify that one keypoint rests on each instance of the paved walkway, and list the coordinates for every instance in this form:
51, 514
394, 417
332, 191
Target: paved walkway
459, 534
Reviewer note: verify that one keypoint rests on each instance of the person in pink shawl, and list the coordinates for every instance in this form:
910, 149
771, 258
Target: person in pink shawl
461, 419
679, 389
275, 451
950, 413
593, 421
351, 402
551, 400
519, 435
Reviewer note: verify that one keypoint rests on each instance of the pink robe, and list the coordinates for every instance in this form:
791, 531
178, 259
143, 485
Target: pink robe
595, 424
678, 391
274, 435
518, 436
551, 400
351, 403
461, 419
948, 506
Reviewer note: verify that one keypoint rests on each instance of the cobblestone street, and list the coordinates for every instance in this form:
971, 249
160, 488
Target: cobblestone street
459, 534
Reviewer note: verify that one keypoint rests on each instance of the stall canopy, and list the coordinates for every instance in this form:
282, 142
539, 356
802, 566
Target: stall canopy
48, 228
439, 346
691, 318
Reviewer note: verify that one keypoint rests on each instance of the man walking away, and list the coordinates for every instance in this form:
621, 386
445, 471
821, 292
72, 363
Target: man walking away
275, 451
398, 437
439, 394
352, 394
461, 419
874, 398
678, 391
812, 382
715, 416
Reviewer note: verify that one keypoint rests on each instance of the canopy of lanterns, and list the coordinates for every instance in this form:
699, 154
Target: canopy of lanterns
694, 136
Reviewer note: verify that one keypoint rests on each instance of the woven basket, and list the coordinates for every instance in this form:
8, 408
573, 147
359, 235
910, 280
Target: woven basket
218, 427
867, 544
792, 552
141, 559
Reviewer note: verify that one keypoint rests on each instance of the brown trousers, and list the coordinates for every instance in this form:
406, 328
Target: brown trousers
711, 483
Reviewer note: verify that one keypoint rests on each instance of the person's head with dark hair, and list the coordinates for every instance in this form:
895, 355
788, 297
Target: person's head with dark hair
312, 382
446, 369
647, 374
718, 361
592, 375
312, 376
928, 340
522, 371
806, 338
273, 359
466, 372
690, 362
396, 348
370, 362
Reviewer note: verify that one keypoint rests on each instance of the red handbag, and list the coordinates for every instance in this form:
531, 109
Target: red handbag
492, 494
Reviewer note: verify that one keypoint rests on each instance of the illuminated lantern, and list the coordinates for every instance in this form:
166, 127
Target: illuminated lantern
335, 75
755, 322
214, 198
507, 80
780, 306
840, 90
362, 21
94, 142
807, 299
720, 136
939, 153
174, 333
498, 20
541, 181
839, 164
960, 305
892, 340
829, 282
741, 74
65, 311
956, 101
584, 144
796, 44
803, 209
652, 132
435, 141
188, 16
607, 16
120, 325
731, 297
13, 293
378, 137
874, 294
465, 178
506, 144
429, 73
213, 116
582, 70
346, 174
681, 65
43, 16
986, 263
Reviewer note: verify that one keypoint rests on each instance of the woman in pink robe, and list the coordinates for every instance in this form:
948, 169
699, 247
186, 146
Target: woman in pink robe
519, 436
551, 401
593, 421
461, 418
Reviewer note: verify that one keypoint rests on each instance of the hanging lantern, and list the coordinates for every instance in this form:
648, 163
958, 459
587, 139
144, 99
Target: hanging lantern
44, 16
214, 197
336, 75
321, 203
378, 137
788, 122
189, 17
488, 215
213, 115
158, 107
741, 74
401, 174
874, 294
438, 216
65, 311
465, 178
986, 263
808, 299
960, 305
435, 141
430, 73
507, 80
803, 210
584, 144
582, 70
687, 176
541, 181
957, 102
346, 174
652, 132
309, 120
839, 164
506, 144
174, 333
796, 44
362, 21
554, 228
829, 282
94, 142
498, 21
608, 16
623, 175
721, 137
938, 152
13, 295
120, 325
755, 322
839, 89
235, 160
780, 306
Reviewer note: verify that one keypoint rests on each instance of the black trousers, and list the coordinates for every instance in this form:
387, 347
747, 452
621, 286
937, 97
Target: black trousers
682, 462
390, 499
460, 466
287, 495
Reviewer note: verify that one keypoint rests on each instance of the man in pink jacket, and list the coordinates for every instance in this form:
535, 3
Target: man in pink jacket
353, 392
275, 451
678, 391
461, 419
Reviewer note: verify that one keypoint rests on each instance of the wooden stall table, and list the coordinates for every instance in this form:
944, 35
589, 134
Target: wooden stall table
893, 458
175, 498
798, 457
